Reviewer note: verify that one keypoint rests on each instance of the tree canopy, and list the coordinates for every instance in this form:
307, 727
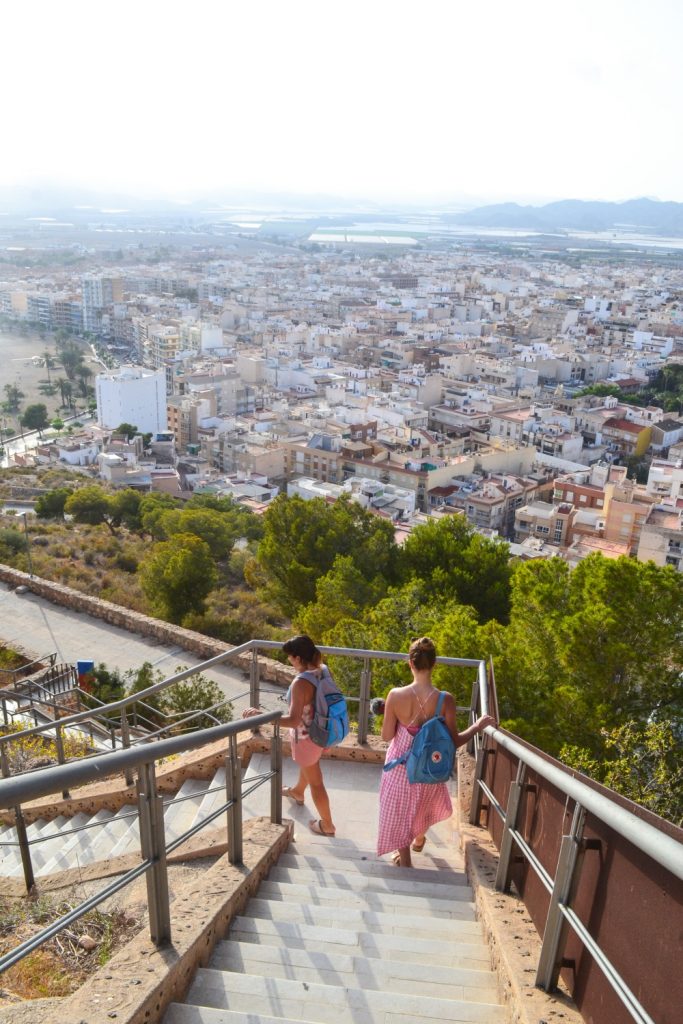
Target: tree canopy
302, 539
35, 417
91, 505
453, 561
177, 576
51, 505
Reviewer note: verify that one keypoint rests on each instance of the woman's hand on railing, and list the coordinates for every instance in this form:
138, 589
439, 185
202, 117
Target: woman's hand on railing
250, 712
476, 727
483, 721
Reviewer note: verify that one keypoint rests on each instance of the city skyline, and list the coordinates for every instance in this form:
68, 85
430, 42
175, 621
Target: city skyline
470, 106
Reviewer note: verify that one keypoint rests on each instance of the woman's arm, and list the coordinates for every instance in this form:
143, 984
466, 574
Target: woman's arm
451, 719
476, 727
300, 695
390, 720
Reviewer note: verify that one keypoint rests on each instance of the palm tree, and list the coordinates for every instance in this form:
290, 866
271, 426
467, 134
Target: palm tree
49, 364
83, 373
61, 383
72, 360
14, 397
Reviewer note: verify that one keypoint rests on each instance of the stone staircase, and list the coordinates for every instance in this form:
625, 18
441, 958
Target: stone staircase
65, 843
334, 934
25, 716
337, 935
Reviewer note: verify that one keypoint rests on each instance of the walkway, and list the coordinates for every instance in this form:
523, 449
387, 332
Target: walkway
40, 627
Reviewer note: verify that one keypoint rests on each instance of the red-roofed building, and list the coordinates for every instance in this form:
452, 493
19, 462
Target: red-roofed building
628, 437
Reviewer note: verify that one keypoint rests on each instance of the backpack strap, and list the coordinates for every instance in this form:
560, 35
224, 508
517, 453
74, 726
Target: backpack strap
396, 762
439, 704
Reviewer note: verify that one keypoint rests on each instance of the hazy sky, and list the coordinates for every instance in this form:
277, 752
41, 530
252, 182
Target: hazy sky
430, 99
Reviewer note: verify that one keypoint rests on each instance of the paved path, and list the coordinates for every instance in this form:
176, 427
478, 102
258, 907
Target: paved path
40, 627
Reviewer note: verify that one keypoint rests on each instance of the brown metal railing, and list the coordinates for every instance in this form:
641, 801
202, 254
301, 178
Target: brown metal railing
601, 877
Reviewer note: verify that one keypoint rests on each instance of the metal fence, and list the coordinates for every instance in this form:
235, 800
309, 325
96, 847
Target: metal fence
150, 811
601, 877
594, 870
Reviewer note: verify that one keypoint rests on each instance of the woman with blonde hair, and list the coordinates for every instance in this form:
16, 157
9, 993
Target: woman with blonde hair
407, 810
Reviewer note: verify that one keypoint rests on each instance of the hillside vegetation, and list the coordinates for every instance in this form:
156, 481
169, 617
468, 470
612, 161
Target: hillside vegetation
588, 662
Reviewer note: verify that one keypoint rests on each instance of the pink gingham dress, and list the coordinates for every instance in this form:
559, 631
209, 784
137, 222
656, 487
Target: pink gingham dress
406, 809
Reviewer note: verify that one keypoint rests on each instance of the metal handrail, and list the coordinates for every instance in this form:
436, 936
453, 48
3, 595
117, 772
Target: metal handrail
50, 658
661, 847
125, 702
20, 788
253, 646
154, 849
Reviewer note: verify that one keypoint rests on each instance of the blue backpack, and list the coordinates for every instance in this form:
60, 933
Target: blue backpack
432, 754
330, 715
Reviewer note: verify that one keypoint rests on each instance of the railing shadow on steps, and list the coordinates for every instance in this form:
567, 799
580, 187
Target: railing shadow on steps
150, 810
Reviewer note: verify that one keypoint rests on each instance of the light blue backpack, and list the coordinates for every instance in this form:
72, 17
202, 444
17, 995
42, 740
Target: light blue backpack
330, 715
432, 754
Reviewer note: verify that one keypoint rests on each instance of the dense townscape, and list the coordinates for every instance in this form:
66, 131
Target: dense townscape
539, 394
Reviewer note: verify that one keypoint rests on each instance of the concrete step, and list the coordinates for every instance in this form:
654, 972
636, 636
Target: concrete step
337, 866
441, 858
73, 845
328, 1004
51, 841
182, 1013
181, 812
461, 925
389, 880
116, 828
214, 797
318, 966
387, 902
471, 951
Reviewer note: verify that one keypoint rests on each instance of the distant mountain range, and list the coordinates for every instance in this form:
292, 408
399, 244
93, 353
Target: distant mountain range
75, 204
648, 216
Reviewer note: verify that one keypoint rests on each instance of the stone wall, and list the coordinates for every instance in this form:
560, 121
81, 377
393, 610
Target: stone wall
204, 647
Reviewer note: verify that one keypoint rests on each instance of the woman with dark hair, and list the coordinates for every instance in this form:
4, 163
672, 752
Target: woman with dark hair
304, 657
407, 810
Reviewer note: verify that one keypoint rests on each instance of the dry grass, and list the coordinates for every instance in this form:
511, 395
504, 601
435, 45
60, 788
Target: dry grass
60, 966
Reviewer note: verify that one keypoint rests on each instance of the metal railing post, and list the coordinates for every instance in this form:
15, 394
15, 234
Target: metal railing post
566, 878
254, 687
4, 761
24, 849
474, 704
364, 701
233, 781
477, 794
59, 743
276, 780
506, 843
5, 716
153, 847
125, 740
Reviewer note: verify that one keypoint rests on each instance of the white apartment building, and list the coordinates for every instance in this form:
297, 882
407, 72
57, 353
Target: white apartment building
132, 395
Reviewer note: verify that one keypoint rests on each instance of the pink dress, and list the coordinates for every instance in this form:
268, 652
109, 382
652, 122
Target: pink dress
406, 809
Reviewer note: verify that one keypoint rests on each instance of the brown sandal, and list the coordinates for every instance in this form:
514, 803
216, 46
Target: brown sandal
419, 847
317, 829
291, 795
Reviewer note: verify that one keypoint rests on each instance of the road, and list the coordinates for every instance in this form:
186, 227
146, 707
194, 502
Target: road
30, 439
40, 627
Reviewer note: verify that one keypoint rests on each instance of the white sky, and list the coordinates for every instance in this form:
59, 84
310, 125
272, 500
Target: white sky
492, 99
